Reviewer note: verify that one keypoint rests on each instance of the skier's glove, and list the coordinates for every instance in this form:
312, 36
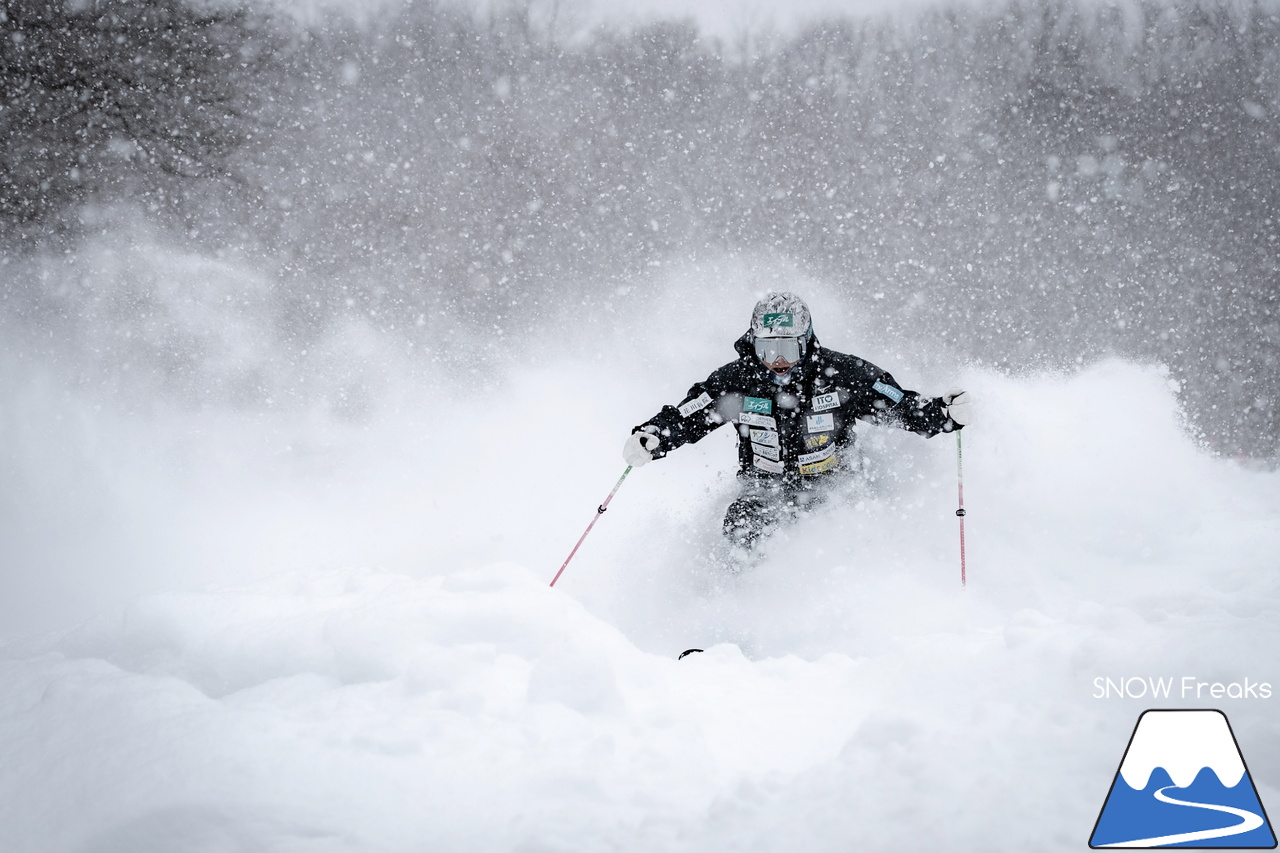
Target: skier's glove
958, 406
640, 446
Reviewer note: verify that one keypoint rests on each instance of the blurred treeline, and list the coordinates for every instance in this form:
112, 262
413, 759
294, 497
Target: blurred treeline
1037, 182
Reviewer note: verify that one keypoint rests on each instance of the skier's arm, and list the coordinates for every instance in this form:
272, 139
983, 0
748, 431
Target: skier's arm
697, 415
892, 405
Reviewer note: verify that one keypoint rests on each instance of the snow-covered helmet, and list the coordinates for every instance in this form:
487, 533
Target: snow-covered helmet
780, 330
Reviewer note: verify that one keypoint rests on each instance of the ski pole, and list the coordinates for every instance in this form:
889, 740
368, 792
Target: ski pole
599, 512
960, 512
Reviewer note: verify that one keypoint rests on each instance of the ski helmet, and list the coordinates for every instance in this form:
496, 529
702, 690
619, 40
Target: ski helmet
780, 330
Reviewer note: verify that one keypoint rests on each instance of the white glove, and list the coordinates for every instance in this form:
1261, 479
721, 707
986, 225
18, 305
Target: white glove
958, 406
639, 447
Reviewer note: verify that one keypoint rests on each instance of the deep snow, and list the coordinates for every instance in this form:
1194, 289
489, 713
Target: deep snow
315, 635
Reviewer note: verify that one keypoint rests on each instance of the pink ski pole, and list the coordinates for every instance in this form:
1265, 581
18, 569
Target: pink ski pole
960, 512
599, 512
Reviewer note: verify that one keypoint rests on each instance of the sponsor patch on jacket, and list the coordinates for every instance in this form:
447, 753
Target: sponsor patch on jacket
824, 402
759, 405
763, 421
766, 437
766, 451
767, 465
819, 423
889, 391
817, 456
820, 467
813, 442
697, 404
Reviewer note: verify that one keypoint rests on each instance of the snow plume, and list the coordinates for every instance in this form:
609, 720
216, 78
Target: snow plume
257, 689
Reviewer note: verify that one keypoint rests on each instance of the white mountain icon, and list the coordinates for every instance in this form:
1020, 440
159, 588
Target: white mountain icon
1162, 795
1183, 743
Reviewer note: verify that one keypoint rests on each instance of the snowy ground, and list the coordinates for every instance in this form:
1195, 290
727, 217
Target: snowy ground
292, 634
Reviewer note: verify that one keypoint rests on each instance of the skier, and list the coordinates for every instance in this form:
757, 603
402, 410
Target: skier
794, 403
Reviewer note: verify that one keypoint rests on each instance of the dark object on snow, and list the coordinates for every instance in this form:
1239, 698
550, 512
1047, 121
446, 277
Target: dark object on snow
687, 652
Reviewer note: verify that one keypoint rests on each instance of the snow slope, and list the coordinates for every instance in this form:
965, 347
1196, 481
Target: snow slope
314, 635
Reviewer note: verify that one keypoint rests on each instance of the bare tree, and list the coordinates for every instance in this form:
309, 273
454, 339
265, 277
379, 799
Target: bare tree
128, 96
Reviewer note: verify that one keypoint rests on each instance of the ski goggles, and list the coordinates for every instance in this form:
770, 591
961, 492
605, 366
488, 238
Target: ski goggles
770, 350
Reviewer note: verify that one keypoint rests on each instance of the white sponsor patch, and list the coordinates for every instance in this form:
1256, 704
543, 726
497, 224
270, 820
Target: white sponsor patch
763, 421
767, 465
889, 391
819, 423
697, 404
766, 437
823, 402
767, 452
817, 455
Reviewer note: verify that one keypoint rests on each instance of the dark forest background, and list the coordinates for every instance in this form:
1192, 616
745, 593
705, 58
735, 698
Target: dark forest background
1034, 183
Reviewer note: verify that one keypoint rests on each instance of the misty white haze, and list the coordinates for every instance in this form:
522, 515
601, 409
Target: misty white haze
314, 366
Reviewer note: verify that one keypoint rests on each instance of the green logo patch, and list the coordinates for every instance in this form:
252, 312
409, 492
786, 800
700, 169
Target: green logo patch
759, 405
778, 321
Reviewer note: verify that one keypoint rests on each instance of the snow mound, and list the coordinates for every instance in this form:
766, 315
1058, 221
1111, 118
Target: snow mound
851, 695
366, 710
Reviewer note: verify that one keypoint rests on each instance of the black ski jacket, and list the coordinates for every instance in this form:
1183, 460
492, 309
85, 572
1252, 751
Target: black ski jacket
797, 431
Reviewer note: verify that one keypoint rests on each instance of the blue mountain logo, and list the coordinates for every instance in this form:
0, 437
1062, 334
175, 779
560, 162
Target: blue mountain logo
1183, 783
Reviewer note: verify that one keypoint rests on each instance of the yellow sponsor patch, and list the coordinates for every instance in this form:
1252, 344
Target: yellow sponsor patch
821, 467
813, 442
